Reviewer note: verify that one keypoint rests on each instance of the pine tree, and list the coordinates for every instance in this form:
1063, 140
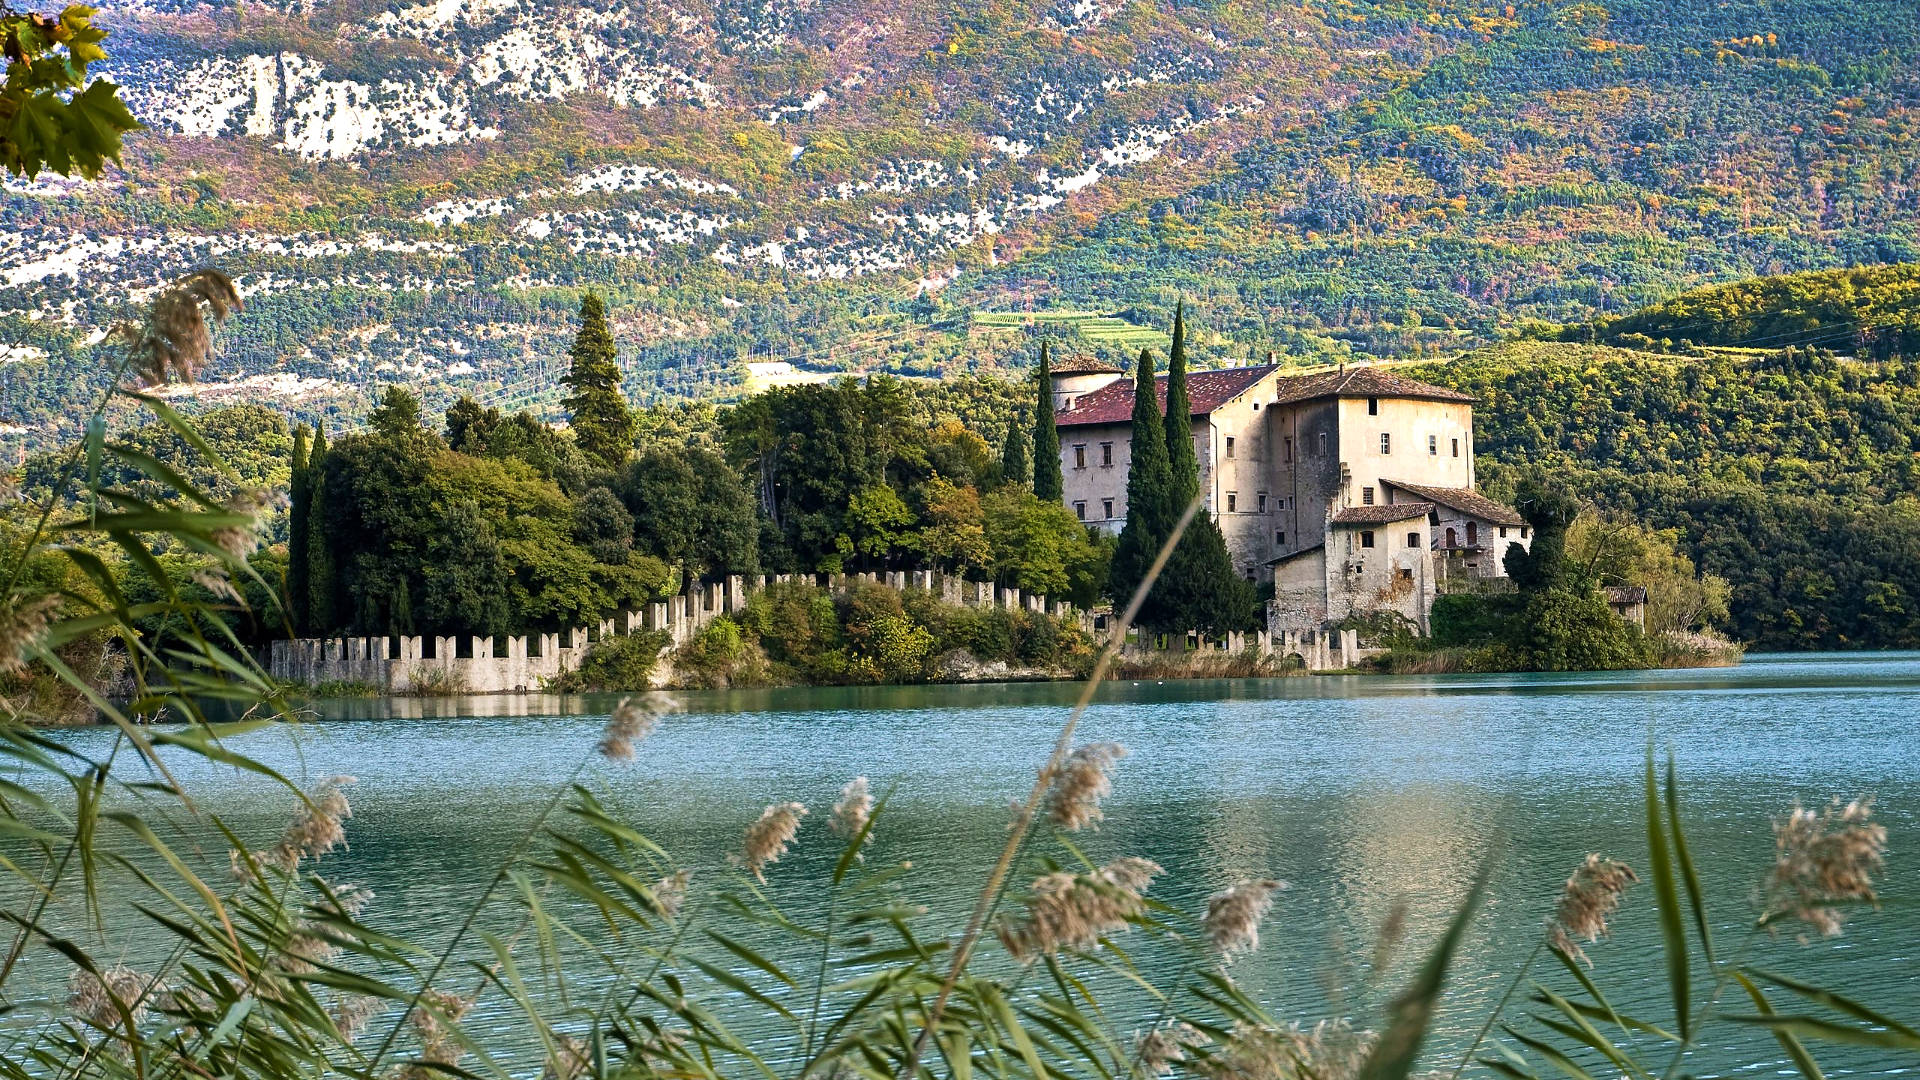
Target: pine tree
1148, 481
299, 509
1014, 467
602, 424
321, 578
1198, 590
1047, 481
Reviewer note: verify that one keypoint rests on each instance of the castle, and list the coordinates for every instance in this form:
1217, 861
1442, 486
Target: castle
1353, 489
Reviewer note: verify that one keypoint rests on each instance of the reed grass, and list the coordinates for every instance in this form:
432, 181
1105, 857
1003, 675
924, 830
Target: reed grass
612, 959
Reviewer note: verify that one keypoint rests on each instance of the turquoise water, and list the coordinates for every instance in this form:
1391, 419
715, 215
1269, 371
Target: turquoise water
1359, 792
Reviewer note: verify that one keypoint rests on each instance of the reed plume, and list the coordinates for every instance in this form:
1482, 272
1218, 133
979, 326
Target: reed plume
1074, 911
569, 1059
670, 893
631, 722
1083, 779
1330, 1050
1823, 861
95, 1000
240, 541
1159, 1050
1590, 897
768, 837
852, 812
1234, 914
22, 626
351, 1013
317, 828
173, 339
434, 1021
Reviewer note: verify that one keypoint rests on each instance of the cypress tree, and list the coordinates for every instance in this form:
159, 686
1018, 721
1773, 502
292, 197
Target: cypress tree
1047, 481
298, 511
1198, 590
602, 424
1185, 468
1148, 481
1014, 466
321, 578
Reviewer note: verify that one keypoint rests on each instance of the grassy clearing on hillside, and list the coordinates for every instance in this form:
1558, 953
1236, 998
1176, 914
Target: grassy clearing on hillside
1095, 327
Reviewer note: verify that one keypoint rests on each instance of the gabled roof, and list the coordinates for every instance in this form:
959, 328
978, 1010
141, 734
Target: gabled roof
1364, 381
1381, 513
1626, 594
1082, 365
1466, 500
1208, 390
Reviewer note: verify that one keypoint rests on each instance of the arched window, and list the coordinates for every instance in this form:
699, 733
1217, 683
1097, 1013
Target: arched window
1473, 533
1451, 542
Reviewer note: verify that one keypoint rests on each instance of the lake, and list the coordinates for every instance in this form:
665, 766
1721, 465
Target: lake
1360, 792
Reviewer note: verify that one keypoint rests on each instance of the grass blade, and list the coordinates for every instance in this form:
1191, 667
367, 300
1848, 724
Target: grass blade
1667, 898
1802, 1060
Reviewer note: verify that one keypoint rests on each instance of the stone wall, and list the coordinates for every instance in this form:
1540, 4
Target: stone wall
484, 665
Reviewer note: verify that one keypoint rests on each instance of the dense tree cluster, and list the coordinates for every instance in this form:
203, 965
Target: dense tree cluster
1793, 474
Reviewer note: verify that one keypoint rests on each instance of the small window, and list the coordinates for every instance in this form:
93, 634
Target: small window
1386, 443
1473, 533
1433, 445
1256, 408
1456, 448
1503, 532
1366, 496
1080, 510
1080, 456
1413, 540
1229, 446
1106, 508
1373, 406
1106, 454
1523, 532
1279, 538
1262, 498
1366, 538
1233, 501
1323, 444
1289, 448
1406, 573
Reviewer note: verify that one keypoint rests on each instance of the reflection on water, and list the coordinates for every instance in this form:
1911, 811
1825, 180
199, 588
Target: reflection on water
1359, 792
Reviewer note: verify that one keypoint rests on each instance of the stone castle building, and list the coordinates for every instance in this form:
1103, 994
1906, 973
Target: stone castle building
1353, 489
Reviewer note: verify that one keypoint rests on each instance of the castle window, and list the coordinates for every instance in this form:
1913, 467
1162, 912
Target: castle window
1386, 443
1289, 448
1433, 445
1456, 448
1279, 538
1106, 455
1473, 533
1256, 406
1366, 538
1323, 444
1413, 539
1503, 532
1080, 510
1080, 456
1406, 573
1229, 446
1366, 496
1262, 497
1106, 508
1373, 406
1233, 501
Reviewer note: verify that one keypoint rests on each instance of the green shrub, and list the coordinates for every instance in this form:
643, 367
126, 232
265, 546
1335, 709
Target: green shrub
625, 662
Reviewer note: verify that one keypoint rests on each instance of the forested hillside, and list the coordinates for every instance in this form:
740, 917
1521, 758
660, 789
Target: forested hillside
1793, 473
417, 193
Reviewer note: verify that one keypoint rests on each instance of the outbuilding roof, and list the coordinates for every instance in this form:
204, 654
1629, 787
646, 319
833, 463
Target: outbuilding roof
1297, 554
1363, 381
1208, 390
1626, 594
1466, 500
1081, 365
1381, 513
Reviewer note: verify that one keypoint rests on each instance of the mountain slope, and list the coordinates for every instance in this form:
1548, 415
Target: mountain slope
414, 192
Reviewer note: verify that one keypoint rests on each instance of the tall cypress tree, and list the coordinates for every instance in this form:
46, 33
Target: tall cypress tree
602, 424
322, 581
1014, 466
299, 510
1198, 590
1148, 481
1047, 481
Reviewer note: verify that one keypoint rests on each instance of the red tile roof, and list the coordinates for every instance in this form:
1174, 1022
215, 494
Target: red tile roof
1208, 390
1381, 513
1361, 382
1081, 365
1465, 500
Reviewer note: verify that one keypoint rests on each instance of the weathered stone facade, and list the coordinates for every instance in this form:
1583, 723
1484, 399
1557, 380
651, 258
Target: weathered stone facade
1299, 471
